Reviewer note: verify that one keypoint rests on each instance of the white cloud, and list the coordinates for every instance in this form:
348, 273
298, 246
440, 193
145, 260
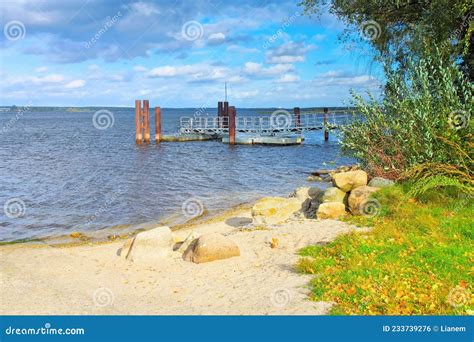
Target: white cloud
171, 71
285, 59
216, 38
288, 78
75, 84
193, 72
290, 52
252, 68
257, 69
53, 78
347, 79
41, 69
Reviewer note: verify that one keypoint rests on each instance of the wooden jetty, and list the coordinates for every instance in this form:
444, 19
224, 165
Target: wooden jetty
279, 128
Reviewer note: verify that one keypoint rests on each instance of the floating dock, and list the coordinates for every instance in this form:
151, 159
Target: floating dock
245, 139
280, 128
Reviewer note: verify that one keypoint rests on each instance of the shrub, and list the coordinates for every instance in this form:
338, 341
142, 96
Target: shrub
420, 129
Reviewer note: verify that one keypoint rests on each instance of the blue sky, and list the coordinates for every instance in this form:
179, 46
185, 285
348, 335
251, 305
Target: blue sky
177, 54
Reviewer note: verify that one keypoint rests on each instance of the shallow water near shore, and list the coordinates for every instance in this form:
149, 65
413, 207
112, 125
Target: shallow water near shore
72, 176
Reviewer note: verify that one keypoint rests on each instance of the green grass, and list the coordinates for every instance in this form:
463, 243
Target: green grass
417, 259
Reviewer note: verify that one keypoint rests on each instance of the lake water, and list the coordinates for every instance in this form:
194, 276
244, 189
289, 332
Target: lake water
59, 173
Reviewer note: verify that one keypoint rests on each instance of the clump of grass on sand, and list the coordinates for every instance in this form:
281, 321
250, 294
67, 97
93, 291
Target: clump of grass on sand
417, 259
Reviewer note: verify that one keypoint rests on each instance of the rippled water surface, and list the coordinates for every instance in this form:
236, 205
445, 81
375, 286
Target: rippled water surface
72, 176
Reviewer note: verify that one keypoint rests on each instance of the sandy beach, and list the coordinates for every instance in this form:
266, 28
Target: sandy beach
92, 279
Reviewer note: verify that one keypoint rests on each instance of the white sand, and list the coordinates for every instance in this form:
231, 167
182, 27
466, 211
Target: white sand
92, 279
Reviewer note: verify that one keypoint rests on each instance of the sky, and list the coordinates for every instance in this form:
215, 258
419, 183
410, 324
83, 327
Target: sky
178, 54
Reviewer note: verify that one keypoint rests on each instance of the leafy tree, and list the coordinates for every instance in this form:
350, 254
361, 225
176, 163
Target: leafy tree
401, 28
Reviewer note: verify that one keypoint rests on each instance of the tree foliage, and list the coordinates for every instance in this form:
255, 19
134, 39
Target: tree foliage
408, 27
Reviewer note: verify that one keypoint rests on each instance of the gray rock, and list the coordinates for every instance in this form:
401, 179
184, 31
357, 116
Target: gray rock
315, 193
380, 182
310, 207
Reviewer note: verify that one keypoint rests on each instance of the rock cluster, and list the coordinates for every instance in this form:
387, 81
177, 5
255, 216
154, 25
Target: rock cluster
350, 193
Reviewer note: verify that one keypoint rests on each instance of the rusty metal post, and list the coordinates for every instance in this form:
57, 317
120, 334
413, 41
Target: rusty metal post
297, 113
326, 130
146, 120
138, 122
225, 115
157, 124
232, 114
220, 109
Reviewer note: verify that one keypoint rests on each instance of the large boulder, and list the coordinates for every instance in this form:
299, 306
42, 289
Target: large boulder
334, 194
274, 210
331, 210
346, 181
149, 246
380, 182
358, 196
210, 247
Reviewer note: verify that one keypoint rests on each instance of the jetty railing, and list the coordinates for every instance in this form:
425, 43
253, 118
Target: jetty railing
263, 124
